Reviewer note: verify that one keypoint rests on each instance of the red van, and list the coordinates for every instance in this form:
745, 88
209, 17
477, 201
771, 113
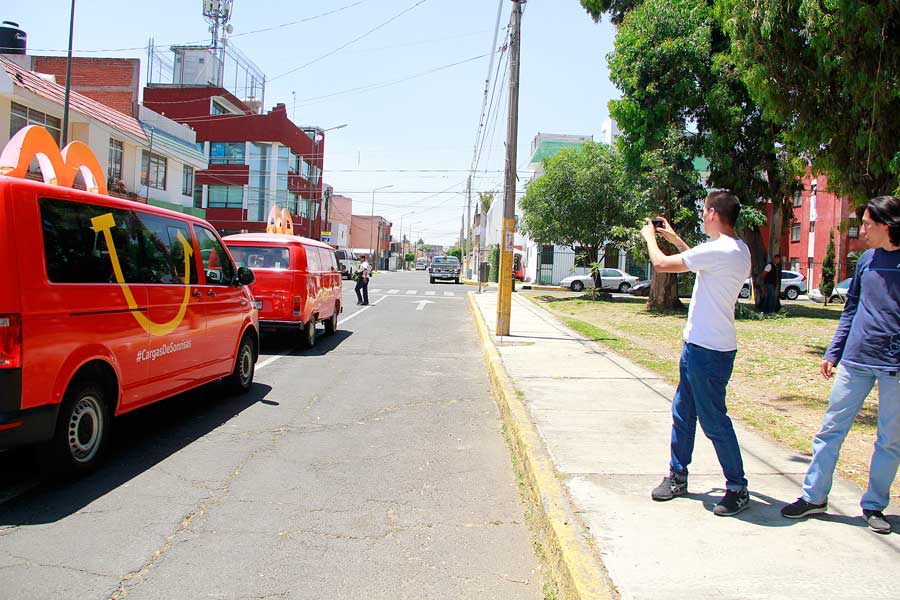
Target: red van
298, 281
108, 305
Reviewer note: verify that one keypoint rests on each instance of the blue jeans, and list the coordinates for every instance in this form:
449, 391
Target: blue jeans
701, 395
851, 386
770, 299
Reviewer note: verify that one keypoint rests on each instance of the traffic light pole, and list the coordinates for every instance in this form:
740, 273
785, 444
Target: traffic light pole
507, 237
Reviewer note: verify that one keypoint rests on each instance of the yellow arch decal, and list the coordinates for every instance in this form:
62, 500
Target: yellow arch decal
280, 221
57, 168
105, 223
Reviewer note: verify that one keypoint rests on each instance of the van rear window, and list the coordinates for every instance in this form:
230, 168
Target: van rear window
261, 257
147, 247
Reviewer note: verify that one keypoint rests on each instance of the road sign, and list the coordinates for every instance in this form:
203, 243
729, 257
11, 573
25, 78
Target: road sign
326, 238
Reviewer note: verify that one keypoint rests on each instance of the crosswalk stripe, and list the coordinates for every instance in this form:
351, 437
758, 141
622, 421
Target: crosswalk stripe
449, 293
429, 293
393, 291
411, 292
375, 291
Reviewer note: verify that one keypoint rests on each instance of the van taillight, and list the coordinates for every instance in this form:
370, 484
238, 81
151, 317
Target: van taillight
10, 341
298, 306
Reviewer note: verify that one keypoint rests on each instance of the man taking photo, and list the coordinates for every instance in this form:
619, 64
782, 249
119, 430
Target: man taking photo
710, 344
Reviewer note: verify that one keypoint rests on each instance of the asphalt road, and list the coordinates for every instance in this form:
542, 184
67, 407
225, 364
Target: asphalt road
372, 466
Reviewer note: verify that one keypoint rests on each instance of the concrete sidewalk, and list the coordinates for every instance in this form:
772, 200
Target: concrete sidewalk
605, 425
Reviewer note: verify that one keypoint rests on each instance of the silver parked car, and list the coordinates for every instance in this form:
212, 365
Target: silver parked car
792, 285
610, 279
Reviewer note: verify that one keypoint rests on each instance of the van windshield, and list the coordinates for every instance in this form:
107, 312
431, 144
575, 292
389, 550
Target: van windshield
261, 257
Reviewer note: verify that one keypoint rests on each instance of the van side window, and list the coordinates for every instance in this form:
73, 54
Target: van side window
313, 264
75, 253
328, 260
163, 253
216, 263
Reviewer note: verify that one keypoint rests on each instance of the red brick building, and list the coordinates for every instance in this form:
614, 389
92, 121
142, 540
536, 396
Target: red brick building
257, 162
368, 233
817, 212
114, 82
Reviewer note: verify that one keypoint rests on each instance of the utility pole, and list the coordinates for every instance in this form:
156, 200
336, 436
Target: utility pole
65, 126
507, 230
468, 248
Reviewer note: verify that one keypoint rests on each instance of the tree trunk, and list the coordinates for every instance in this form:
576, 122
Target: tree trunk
754, 240
664, 292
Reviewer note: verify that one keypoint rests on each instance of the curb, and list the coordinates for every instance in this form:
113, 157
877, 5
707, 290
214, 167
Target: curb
577, 571
521, 286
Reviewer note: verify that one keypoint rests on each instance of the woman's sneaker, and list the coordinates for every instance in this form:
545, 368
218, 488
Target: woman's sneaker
801, 508
732, 503
670, 487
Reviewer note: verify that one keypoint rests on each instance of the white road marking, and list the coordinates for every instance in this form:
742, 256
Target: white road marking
375, 291
449, 293
430, 293
421, 304
272, 359
411, 292
393, 291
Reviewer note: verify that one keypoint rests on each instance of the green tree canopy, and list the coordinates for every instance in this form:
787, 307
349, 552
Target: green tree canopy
829, 70
583, 199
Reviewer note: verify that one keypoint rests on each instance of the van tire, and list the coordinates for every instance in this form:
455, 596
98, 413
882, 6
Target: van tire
82, 430
331, 324
308, 334
241, 379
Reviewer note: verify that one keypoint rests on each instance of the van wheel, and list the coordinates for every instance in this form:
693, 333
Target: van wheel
241, 379
308, 334
82, 430
331, 324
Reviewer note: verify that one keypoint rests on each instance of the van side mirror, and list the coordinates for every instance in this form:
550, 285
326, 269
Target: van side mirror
245, 276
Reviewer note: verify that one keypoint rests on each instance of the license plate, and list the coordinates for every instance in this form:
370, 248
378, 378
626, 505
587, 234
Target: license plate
257, 304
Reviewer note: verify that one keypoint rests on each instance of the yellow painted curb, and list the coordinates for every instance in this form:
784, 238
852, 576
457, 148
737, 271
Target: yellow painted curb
577, 570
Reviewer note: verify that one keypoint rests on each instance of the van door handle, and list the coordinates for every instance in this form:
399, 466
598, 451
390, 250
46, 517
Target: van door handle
196, 293
210, 293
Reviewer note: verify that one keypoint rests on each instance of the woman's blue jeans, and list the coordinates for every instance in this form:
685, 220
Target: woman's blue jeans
851, 386
701, 396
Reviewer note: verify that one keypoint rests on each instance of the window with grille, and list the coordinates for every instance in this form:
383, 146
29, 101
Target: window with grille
153, 170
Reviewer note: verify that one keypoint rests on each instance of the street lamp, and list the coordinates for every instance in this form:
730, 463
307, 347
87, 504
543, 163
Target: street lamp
372, 226
318, 137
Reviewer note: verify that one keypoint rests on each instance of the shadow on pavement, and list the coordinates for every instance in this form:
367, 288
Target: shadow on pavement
140, 440
288, 343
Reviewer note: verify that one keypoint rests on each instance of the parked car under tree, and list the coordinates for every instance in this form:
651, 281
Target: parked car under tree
610, 279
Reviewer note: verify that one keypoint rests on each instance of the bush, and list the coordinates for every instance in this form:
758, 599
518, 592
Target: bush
495, 262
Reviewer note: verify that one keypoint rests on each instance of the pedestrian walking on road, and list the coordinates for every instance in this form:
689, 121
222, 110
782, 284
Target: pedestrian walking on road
362, 282
867, 347
710, 344
771, 277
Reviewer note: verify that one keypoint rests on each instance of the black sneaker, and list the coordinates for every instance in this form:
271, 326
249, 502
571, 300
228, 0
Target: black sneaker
801, 508
876, 521
732, 503
670, 487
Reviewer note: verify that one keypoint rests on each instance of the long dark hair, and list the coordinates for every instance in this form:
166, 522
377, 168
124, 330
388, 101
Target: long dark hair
886, 211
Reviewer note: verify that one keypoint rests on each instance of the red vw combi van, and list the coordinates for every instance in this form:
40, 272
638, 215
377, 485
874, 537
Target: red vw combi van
298, 281
108, 305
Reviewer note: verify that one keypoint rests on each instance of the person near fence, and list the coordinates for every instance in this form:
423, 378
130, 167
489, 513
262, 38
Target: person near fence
866, 346
710, 345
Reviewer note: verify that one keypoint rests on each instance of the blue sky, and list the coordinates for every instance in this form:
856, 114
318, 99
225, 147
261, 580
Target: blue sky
427, 123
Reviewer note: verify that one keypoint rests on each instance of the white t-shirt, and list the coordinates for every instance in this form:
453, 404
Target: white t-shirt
364, 268
722, 266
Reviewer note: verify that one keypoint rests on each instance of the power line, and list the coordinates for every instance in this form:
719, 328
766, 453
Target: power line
374, 86
279, 26
353, 41
487, 84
